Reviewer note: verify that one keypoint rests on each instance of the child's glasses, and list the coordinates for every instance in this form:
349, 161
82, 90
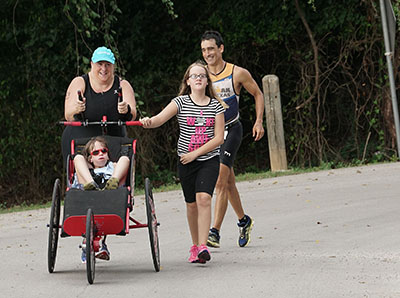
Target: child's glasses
200, 76
97, 152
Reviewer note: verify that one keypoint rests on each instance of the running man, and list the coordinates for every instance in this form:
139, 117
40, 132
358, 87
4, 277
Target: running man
228, 80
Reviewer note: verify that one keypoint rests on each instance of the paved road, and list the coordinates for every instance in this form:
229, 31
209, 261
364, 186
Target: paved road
325, 234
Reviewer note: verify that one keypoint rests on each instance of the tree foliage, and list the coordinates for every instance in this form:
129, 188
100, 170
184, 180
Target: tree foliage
329, 56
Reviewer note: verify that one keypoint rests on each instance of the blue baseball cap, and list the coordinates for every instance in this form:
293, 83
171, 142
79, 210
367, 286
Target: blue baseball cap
103, 54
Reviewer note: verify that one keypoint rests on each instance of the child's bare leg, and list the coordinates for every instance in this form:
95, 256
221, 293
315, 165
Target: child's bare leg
82, 169
121, 169
192, 218
203, 201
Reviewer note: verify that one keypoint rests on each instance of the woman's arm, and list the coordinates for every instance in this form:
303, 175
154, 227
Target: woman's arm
170, 110
72, 104
210, 145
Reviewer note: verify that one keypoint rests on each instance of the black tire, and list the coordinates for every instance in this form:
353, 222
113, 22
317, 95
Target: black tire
54, 226
152, 224
68, 170
132, 178
133, 170
90, 254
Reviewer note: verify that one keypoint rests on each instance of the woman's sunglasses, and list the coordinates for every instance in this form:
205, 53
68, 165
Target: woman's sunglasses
97, 152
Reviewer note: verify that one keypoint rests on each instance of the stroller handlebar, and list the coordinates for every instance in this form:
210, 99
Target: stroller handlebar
101, 123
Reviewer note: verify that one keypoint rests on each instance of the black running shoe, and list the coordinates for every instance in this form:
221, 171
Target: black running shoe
213, 239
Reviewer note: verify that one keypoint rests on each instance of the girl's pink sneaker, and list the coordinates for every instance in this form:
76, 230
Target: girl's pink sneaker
204, 254
194, 250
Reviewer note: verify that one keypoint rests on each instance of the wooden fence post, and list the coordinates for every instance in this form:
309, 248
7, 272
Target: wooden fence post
273, 114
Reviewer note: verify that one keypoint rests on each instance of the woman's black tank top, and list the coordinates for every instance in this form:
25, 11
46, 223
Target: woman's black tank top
103, 103
97, 106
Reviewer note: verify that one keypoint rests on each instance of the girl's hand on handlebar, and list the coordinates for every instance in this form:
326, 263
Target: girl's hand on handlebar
146, 121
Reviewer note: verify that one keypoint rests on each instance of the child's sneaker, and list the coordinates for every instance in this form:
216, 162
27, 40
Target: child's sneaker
91, 186
194, 250
204, 254
83, 247
103, 253
83, 256
112, 183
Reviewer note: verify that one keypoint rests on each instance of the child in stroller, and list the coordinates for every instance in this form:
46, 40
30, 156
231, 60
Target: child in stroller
95, 171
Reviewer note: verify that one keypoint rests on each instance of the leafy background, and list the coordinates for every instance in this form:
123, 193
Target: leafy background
333, 79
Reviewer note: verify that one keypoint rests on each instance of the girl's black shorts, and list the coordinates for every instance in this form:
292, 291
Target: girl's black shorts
198, 176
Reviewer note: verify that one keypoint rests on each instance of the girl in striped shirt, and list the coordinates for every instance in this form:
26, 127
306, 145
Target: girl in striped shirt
201, 132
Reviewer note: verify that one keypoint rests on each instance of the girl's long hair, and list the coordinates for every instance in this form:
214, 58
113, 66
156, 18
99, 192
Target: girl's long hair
186, 90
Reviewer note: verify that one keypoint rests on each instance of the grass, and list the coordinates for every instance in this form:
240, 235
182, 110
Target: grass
24, 207
169, 187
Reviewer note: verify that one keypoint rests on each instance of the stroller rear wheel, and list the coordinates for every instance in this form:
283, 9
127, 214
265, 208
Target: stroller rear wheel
152, 224
90, 254
54, 226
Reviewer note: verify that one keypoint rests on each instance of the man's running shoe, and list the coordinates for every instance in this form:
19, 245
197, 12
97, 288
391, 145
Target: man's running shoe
103, 253
194, 250
204, 254
213, 238
244, 230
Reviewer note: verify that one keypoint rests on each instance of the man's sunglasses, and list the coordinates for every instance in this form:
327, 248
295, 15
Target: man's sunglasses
97, 152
